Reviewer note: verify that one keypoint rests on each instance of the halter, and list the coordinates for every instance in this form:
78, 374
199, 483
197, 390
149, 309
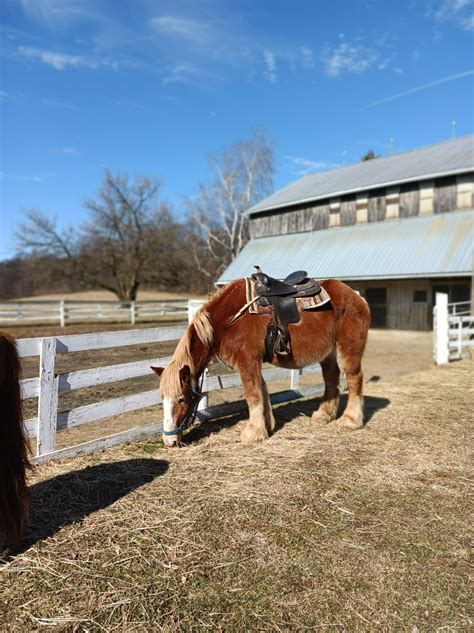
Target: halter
196, 395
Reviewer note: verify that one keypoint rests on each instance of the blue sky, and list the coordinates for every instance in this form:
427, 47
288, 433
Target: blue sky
151, 87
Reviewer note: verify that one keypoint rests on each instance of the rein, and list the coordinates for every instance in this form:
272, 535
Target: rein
196, 395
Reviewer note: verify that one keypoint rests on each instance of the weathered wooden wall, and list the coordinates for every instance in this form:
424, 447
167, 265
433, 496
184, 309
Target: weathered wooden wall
406, 200
348, 211
409, 202
403, 312
445, 195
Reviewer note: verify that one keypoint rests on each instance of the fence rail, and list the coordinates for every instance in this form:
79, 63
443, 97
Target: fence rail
49, 384
67, 311
453, 330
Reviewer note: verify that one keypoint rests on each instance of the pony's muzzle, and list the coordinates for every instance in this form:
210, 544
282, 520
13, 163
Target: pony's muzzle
172, 441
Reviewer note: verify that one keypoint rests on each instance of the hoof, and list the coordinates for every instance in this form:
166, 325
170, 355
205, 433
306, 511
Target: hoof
321, 417
250, 434
346, 423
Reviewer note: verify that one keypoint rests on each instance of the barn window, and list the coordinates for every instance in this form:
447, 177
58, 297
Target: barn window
420, 296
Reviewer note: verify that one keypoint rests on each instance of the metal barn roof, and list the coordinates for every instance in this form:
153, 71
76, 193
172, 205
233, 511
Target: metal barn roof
432, 246
443, 159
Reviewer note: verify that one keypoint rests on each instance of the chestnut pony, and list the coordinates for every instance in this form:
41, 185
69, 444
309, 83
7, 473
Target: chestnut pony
329, 336
13, 445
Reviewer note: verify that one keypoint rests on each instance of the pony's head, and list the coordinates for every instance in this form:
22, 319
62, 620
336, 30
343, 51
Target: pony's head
179, 380
179, 396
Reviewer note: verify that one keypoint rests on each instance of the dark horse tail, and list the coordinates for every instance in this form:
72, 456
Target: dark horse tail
13, 445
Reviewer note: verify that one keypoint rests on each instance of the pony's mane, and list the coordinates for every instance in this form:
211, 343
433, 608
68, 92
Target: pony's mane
201, 326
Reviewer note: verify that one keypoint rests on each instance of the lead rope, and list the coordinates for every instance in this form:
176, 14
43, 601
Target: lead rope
241, 311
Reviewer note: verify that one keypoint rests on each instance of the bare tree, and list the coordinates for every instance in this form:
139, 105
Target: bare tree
111, 250
243, 176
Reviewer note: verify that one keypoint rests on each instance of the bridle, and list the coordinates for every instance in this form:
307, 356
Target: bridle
196, 395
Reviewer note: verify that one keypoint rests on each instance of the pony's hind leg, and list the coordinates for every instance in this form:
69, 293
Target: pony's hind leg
330, 401
353, 416
255, 392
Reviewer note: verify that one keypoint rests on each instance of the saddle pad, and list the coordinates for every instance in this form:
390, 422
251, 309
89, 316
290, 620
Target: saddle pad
303, 303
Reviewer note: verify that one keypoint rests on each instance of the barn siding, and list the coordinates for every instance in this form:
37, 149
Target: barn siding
377, 206
409, 200
444, 197
348, 211
403, 313
409, 205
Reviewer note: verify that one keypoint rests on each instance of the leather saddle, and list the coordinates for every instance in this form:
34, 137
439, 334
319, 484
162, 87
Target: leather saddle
280, 295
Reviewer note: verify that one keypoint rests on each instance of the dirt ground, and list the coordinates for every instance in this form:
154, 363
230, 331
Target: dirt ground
314, 529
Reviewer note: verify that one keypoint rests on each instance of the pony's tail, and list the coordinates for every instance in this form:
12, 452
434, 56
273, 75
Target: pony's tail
13, 445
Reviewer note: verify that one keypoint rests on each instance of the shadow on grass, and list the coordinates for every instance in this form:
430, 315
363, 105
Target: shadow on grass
284, 413
72, 496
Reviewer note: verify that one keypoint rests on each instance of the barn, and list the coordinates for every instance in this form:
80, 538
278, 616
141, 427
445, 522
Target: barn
398, 229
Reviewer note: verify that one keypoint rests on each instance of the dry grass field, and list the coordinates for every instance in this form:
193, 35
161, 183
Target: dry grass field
312, 530
104, 295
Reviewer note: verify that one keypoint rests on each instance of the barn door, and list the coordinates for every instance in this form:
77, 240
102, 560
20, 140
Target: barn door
377, 300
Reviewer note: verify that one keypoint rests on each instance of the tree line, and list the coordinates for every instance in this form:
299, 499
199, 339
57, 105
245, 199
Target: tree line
132, 238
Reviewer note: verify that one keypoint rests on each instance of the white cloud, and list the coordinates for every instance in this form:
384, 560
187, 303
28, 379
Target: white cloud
56, 11
351, 58
19, 178
302, 166
457, 12
66, 151
58, 61
61, 105
183, 28
270, 63
438, 82
306, 57
183, 72
3, 95
61, 61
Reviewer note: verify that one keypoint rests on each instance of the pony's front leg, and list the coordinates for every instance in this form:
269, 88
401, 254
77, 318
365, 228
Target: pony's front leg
269, 419
255, 391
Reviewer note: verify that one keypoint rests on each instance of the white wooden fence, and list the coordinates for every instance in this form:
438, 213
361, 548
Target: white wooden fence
49, 384
453, 330
66, 311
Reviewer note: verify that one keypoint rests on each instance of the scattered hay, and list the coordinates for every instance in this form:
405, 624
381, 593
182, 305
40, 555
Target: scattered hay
313, 529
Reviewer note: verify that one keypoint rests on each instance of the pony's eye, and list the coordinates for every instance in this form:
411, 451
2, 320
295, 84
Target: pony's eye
181, 400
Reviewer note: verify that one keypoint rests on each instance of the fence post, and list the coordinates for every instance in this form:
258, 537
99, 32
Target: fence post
295, 378
441, 329
133, 313
62, 314
459, 320
204, 402
193, 307
48, 398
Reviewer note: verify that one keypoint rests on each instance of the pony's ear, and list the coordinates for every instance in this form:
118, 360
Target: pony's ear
185, 376
158, 370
